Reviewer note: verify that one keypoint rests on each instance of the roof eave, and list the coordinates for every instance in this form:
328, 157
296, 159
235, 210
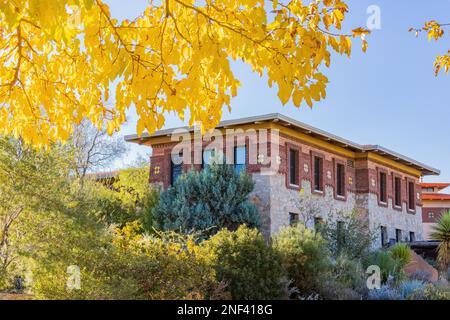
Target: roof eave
287, 121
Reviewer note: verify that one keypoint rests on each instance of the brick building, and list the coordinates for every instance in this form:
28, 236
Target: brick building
435, 203
284, 156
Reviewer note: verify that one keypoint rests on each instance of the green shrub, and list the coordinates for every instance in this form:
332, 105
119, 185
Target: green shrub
401, 253
125, 265
348, 233
305, 257
242, 259
207, 201
389, 266
346, 281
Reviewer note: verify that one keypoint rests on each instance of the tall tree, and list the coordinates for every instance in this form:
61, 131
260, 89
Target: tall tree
94, 149
60, 60
30, 182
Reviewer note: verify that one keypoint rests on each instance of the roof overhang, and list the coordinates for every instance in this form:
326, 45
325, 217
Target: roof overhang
303, 128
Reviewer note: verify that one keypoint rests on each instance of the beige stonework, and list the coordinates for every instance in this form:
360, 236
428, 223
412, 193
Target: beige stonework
275, 202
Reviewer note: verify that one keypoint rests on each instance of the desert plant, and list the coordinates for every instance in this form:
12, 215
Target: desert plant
386, 292
243, 260
389, 267
215, 198
305, 257
401, 253
441, 232
348, 233
408, 289
346, 281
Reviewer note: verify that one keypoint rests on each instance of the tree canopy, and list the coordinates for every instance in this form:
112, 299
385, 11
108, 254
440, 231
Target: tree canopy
61, 60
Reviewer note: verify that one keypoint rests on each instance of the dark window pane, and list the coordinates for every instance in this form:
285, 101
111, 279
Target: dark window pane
340, 180
293, 219
383, 191
398, 192
293, 167
318, 174
398, 235
411, 198
412, 237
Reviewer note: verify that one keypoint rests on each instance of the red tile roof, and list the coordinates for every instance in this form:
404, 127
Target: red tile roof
435, 185
435, 196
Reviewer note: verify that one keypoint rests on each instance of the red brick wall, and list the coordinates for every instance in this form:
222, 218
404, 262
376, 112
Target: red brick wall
437, 213
357, 178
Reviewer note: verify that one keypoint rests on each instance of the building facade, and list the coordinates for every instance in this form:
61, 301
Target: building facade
435, 203
293, 163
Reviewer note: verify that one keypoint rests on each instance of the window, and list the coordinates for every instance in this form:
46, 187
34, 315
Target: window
411, 196
383, 189
293, 219
340, 180
293, 167
412, 237
318, 223
318, 179
398, 235
239, 159
431, 215
176, 168
428, 190
208, 156
397, 192
384, 237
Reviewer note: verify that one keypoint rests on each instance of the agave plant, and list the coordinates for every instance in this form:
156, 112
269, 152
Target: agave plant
441, 233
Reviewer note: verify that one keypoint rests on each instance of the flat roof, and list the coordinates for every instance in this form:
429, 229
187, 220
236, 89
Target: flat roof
307, 129
434, 185
436, 196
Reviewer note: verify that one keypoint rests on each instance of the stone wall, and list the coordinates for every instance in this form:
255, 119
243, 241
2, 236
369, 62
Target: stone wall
393, 219
275, 202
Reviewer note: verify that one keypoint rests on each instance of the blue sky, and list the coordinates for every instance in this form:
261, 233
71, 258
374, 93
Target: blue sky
387, 96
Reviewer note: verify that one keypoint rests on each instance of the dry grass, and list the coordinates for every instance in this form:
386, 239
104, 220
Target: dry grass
12, 296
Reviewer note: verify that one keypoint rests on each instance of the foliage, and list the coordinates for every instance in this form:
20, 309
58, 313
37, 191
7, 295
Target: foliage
31, 182
215, 198
348, 234
389, 266
401, 253
441, 232
411, 290
57, 68
125, 265
433, 292
386, 292
127, 199
305, 257
346, 281
411, 287
435, 30
242, 259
